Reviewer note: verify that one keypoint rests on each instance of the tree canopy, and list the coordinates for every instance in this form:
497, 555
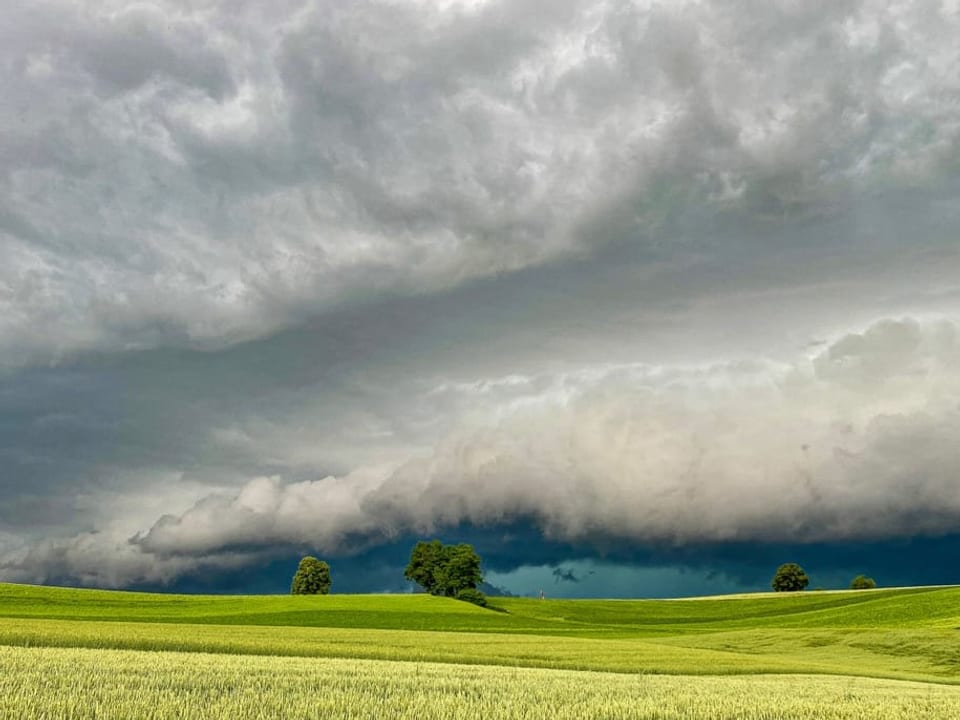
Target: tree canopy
444, 569
312, 577
862, 582
789, 577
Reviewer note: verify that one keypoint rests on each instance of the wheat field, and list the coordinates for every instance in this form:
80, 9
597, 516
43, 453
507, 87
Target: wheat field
84, 684
78, 654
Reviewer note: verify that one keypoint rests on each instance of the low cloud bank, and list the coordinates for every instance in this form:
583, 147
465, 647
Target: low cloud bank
860, 441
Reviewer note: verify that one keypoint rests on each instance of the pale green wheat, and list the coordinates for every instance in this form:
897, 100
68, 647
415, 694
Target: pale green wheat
83, 684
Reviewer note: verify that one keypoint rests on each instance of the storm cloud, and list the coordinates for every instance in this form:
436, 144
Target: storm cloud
331, 276
807, 452
202, 176
856, 442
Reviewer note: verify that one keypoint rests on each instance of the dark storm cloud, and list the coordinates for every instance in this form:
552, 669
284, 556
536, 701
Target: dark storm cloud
727, 453
518, 554
809, 451
329, 275
565, 575
173, 175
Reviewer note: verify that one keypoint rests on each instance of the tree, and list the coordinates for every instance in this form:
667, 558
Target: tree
426, 561
472, 596
862, 582
460, 570
789, 578
312, 577
444, 569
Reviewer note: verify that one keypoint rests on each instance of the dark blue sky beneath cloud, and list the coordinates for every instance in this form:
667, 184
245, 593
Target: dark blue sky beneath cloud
642, 298
565, 570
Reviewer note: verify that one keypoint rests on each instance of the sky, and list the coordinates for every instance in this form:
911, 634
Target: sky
640, 298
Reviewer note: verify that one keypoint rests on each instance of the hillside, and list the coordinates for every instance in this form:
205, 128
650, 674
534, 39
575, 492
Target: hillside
908, 633
929, 607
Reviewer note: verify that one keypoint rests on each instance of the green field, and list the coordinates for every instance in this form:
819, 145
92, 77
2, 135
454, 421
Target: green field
814, 654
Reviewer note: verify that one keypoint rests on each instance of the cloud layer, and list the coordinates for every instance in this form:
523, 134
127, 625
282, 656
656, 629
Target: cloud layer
202, 175
325, 275
858, 441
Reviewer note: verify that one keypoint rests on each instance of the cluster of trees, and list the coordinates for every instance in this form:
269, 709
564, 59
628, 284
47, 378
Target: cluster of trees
448, 570
790, 577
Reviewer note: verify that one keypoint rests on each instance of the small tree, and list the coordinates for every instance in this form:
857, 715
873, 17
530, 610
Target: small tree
444, 569
862, 582
472, 596
789, 577
312, 577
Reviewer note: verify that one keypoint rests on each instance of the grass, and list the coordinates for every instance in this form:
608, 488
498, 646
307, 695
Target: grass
933, 607
841, 637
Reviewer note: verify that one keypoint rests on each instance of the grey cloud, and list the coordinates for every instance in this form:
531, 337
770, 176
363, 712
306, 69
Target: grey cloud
93, 559
140, 43
359, 252
144, 434
729, 452
724, 453
858, 441
561, 574
202, 178
266, 512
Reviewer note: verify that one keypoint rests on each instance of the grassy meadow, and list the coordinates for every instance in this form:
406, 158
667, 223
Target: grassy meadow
864, 654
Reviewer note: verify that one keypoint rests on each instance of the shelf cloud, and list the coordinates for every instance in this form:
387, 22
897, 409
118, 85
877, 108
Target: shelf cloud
765, 452
806, 452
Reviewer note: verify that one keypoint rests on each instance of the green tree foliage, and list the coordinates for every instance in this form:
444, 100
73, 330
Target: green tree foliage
472, 596
426, 561
444, 569
312, 577
461, 569
789, 578
862, 582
